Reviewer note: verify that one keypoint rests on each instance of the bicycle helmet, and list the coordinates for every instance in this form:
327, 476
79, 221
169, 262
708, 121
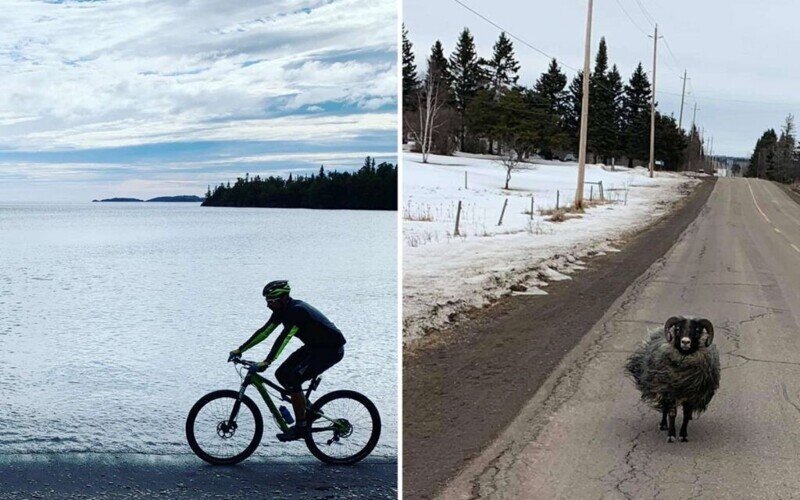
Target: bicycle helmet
276, 289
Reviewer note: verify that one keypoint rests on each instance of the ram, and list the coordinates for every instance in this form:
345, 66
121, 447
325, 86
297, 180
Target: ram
678, 366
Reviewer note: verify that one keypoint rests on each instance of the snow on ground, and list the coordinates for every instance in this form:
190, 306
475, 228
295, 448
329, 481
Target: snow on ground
445, 275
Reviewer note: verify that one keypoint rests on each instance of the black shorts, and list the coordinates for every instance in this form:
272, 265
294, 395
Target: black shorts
305, 364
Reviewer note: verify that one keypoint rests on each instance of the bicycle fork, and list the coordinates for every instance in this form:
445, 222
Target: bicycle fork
238, 403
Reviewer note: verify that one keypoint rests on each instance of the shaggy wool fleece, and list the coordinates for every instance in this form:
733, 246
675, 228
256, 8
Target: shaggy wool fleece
665, 376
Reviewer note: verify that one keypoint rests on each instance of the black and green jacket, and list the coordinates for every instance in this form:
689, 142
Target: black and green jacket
299, 320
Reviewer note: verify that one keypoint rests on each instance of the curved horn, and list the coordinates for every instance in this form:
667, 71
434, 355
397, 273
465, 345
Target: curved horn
709, 328
668, 326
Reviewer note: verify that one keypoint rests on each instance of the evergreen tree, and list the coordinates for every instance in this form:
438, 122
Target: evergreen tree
602, 136
670, 142
549, 95
438, 65
785, 153
466, 76
410, 80
762, 159
636, 117
550, 88
572, 115
503, 67
617, 93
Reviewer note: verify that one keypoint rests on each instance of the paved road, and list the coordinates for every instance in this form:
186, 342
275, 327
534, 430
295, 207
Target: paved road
586, 435
82, 476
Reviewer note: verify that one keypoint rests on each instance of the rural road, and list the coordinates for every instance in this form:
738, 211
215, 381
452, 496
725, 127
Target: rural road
586, 435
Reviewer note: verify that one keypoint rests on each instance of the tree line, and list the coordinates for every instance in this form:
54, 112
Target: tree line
776, 157
472, 104
370, 188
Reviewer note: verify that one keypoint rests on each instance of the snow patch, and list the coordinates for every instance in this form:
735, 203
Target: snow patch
445, 276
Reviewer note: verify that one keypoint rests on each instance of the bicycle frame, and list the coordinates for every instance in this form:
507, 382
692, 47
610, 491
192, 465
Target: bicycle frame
260, 382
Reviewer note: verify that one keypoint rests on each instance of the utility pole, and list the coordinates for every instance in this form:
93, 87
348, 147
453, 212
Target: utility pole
694, 114
711, 153
683, 94
584, 110
653, 106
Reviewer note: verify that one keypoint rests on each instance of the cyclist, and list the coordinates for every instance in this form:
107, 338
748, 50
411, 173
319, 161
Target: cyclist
323, 347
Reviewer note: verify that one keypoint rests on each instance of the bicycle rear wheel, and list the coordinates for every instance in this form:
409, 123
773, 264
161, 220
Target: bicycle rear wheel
216, 439
345, 427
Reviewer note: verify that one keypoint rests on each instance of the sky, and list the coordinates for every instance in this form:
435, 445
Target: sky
740, 55
143, 98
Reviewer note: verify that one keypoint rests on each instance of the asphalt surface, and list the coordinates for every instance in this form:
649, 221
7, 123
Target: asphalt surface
74, 476
585, 434
460, 394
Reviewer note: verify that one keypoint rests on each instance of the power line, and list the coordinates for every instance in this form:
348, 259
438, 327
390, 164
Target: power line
630, 18
647, 15
512, 35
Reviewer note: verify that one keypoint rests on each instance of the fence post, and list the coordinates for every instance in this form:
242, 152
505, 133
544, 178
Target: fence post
531, 207
591, 192
458, 219
465, 180
505, 204
602, 193
558, 196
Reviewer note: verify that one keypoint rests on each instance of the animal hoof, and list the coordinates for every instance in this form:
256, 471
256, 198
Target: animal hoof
684, 439
670, 439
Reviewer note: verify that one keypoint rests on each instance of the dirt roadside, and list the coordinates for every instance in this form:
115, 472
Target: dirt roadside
459, 395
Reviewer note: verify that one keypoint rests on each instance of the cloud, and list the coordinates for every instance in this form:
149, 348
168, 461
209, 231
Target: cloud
104, 74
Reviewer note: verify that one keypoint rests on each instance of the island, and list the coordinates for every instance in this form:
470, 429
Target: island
369, 188
117, 200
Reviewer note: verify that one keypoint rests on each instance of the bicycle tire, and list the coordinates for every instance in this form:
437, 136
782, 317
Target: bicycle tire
374, 435
230, 394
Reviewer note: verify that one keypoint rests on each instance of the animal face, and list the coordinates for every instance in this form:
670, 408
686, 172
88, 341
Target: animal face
688, 335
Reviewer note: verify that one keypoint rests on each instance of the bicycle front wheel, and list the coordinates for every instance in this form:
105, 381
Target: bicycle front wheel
218, 439
345, 427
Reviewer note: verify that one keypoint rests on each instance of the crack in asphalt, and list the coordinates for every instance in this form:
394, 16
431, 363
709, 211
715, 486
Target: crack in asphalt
772, 309
767, 361
564, 389
786, 397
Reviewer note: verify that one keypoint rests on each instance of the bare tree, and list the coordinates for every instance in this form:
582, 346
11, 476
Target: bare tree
510, 161
431, 98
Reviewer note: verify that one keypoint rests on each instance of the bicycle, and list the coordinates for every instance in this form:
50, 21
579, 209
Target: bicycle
221, 433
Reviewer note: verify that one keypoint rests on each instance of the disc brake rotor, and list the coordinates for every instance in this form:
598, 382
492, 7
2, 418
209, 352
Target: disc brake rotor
226, 430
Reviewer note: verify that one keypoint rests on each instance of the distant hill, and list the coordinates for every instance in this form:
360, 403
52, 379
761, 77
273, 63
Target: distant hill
369, 188
171, 199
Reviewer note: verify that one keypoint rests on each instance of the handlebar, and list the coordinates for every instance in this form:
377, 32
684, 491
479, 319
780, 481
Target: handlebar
243, 362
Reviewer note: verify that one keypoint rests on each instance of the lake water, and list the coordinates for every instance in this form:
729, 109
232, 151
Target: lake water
116, 318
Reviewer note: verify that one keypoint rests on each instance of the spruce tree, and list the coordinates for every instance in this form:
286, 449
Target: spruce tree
759, 161
601, 138
549, 97
466, 75
438, 65
617, 91
572, 115
410, 81
550, 88
503, 67
636, 116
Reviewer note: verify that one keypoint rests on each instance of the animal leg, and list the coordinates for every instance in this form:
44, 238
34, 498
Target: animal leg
687, 415
663, 425
673, 412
